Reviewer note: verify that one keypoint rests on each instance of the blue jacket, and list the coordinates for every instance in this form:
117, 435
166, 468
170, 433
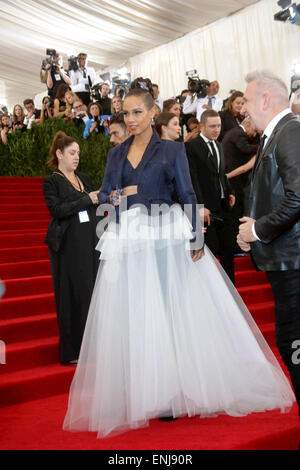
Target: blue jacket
163, 166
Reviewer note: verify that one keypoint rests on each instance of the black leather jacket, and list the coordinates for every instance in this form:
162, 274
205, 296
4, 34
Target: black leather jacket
274, 199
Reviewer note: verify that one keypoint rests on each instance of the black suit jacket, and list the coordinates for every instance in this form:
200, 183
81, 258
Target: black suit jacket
237, 151
63, 203
274, 200
205, 177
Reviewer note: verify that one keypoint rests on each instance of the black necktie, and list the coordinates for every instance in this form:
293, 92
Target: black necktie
213, 156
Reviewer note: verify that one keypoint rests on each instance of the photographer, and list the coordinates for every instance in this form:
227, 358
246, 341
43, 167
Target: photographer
81, 116
82, 78
93, 124
199, 105
56, 75
6, 127
47, 108
105, 101
18, 118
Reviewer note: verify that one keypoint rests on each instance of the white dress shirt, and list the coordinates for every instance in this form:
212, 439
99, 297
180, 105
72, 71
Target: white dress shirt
196, 106
267, 132
78, 82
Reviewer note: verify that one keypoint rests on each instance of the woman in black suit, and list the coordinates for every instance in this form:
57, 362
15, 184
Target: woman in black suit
230, 116
71, 239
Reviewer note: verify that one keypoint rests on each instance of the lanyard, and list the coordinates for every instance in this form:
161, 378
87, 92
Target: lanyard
79, 187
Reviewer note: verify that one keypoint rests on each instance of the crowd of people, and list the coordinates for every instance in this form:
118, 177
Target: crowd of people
140, 323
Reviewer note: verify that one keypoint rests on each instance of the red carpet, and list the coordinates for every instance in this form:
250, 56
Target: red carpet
34, 386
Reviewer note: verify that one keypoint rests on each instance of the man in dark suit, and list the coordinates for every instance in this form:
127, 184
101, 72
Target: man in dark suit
207, 168
272, 230
238, 151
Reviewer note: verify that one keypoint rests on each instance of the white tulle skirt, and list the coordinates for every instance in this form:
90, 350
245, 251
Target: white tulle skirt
167, 336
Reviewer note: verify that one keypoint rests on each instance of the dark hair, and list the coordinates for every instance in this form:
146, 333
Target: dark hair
118, 118
192, 120
28, 101
59, 142
61, 91
142, 87
167, 105
98, 105
208, 114
163, 119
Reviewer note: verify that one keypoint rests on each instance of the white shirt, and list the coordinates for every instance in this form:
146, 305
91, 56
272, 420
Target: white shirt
78, 81
268, 132
197, 105
206, 140
159, 102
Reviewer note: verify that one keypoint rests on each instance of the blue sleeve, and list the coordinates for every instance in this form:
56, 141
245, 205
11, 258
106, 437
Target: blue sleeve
86, 132
106, 186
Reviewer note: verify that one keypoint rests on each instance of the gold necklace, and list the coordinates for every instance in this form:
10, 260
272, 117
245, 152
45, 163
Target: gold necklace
79, 187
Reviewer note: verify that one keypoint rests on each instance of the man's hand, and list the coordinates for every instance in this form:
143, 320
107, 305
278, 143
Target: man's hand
205, 106
205, 215
243, 245
245, 230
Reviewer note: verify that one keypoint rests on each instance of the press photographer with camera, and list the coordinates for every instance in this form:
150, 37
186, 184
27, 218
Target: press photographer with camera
55, 73
18, 118
47, 108
104, 100
33, 114
81, 116
203, 96
94, 123
82, 77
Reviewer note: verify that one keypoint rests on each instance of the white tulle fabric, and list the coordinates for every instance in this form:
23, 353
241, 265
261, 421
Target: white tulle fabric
167, 336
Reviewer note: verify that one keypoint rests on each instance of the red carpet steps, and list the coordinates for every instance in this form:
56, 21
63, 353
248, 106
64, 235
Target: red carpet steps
27, 311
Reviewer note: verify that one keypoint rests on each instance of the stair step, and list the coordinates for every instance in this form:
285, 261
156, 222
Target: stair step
18, 216
21, 240
27, 286
32, 384
263, 312
28, 328
28, 354
25, 253
249, 278
28, 208
256, 294
28, 305
22, 179
243, 263
24, 269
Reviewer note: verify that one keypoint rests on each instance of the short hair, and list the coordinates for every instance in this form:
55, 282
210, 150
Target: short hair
268, 79
154, 84
163, 119
118, 118
28, 101
81, 54
192, 120
168, 104
208, 114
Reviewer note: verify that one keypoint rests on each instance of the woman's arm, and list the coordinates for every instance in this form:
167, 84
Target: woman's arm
59, 208
242, 169
56, 112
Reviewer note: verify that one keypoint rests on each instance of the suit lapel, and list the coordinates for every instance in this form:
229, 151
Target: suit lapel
150, 150
123, 151
206, 154
277, 128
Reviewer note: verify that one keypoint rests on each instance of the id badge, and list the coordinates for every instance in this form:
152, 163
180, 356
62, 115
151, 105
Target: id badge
57, 77
83, 217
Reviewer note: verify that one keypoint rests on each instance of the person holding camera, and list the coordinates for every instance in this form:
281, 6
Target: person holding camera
6, 127
199, 105
33, 114
56, 75
82, 79
47, 108
81, 116
93, 124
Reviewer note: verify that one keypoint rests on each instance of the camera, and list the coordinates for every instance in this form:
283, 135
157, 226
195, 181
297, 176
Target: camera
49, 60
196, 85
73, 63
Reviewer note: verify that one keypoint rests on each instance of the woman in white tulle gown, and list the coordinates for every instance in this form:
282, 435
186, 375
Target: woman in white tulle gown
167, 333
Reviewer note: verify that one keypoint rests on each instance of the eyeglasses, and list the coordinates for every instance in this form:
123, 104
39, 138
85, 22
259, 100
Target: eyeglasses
77, 107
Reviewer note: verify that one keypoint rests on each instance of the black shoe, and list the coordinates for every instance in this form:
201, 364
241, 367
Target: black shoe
167, 418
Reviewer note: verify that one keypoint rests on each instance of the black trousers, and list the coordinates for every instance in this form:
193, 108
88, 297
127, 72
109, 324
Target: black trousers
286, 289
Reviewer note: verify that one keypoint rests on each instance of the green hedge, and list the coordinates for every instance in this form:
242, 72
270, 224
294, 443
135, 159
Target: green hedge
26, 153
